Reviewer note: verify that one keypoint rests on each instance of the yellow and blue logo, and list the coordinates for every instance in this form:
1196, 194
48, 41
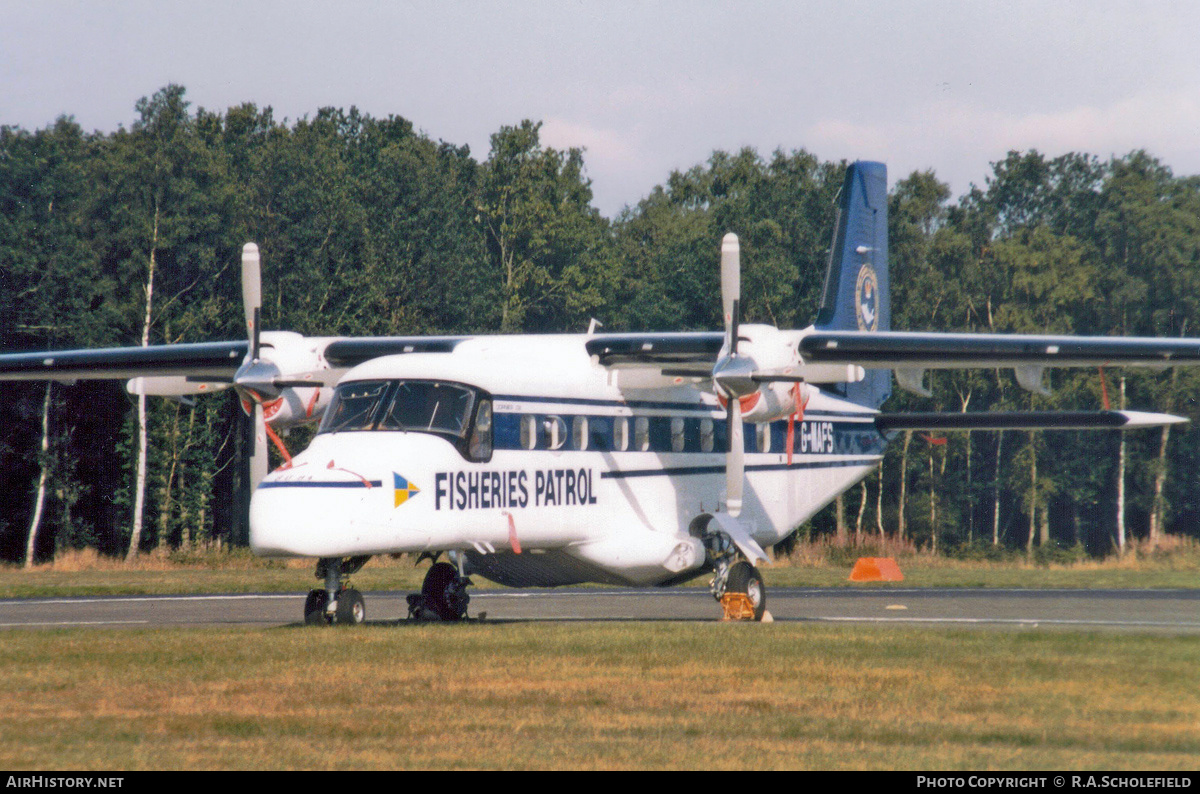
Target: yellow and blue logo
404, 490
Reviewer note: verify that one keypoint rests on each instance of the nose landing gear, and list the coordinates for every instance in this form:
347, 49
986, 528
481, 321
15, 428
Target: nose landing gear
338, 604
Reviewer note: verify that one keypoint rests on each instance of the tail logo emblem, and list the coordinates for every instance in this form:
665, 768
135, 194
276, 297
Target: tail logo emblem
866, 303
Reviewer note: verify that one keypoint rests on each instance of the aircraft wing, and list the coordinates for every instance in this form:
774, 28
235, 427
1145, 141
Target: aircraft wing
896, 349
217, 360
909, 354
353, 351
698, 349
909, 350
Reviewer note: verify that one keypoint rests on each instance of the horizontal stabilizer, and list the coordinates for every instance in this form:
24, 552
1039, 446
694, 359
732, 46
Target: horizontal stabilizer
1025, 420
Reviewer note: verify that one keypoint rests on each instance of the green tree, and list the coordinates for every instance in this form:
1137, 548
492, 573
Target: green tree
549, 248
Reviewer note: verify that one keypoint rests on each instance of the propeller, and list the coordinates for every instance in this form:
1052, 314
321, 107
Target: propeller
735, 377
255, 380
732, 374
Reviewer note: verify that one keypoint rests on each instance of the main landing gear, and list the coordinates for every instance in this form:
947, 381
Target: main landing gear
737, 585
443, 595
338, 604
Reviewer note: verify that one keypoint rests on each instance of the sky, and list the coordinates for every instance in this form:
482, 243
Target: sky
647, 87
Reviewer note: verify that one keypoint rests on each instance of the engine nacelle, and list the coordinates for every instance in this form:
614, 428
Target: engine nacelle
292, 356
297, 406
773, 353
293, 353
773, 401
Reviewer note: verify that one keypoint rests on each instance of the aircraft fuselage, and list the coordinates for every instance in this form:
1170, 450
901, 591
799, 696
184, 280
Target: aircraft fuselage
577, 476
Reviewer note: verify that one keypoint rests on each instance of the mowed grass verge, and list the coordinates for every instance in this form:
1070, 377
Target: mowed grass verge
1176, 565
592, 695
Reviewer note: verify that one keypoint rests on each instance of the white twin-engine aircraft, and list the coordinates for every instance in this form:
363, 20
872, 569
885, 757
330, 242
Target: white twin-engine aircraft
626, 459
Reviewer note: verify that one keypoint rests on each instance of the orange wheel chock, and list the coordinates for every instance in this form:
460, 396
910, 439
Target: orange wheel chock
876, 569
737, 606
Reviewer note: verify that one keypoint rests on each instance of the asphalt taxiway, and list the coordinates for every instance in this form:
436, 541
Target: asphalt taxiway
1169, 611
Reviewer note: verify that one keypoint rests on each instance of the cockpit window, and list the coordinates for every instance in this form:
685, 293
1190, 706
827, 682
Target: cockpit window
430, 406
354, 406
422, 406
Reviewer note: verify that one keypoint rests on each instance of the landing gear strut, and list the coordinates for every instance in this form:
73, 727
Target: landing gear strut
338, 604
443, 595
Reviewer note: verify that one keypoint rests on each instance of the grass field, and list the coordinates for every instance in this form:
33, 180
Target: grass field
595, 695
554, 696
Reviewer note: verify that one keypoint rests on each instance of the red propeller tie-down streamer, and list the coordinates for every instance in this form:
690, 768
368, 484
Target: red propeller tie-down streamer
797, 416
271, 434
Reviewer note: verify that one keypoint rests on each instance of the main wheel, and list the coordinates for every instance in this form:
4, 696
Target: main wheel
351, 610
745, 579
314, 608
444, 593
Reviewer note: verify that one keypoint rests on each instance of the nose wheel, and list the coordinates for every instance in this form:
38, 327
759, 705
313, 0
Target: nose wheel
349, 608
338, 603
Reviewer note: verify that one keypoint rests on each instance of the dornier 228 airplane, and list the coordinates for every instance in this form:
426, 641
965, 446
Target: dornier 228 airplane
631, 459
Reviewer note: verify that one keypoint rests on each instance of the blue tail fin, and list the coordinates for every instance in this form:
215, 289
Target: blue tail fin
856, 284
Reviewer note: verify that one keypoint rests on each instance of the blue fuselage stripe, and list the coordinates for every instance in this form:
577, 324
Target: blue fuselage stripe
686, 470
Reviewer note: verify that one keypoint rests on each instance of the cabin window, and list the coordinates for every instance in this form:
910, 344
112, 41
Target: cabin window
707, 433
529, 431
480, 447
620, 434
678, 439
555, 432
579, 432
641, 433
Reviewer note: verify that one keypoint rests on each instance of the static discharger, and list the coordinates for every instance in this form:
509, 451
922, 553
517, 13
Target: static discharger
876, 569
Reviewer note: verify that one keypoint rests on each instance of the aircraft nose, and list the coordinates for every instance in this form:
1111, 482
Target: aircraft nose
348, 494
307, 517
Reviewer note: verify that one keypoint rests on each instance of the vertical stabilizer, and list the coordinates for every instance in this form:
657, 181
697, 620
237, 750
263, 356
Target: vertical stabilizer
856, 283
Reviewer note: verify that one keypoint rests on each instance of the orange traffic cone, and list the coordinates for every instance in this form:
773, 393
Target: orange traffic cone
876, 569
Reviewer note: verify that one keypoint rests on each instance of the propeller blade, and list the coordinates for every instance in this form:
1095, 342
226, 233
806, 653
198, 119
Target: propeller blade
258, 456
252, 294
731, 286
735, 463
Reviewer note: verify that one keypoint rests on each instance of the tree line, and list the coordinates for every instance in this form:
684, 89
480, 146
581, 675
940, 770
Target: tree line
369, 227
